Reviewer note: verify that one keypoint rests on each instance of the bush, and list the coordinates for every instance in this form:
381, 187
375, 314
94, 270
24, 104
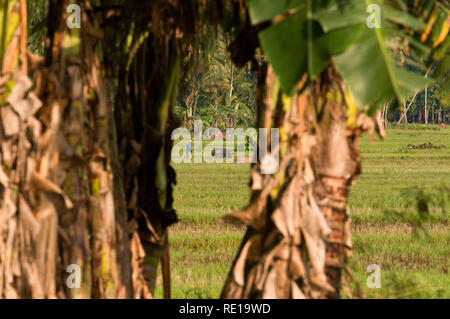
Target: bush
413, 126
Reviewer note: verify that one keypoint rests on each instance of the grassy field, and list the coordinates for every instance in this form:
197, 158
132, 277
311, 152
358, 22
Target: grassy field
412, 265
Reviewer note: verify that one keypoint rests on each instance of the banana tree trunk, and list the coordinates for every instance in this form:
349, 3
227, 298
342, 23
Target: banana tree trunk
58, 210
298, 234
85, 145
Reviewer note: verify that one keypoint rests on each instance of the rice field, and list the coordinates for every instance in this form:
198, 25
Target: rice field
413, 263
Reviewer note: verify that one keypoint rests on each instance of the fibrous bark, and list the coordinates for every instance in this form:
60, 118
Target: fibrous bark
298, 235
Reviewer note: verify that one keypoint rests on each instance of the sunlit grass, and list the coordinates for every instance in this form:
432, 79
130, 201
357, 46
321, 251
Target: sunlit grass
412, 266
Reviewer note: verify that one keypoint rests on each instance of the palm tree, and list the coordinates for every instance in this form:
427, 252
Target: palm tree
216, 89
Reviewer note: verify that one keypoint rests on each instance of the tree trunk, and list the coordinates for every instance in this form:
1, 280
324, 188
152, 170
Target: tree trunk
386, 116
85, 181
405, 113
52, 200
195, 104
426, 106
383, 114
433, 119
405, 110
230, 95
298, 235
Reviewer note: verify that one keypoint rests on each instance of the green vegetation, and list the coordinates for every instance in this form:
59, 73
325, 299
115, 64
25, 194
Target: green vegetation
413, 126
413, 265
216, 91
103, 99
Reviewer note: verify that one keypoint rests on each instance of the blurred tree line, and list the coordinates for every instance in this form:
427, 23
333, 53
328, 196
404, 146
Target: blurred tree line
428, 106
216, 91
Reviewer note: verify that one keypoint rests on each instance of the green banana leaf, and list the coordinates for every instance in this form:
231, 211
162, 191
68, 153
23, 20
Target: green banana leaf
305, 36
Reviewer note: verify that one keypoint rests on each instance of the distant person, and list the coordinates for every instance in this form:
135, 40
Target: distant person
189, 150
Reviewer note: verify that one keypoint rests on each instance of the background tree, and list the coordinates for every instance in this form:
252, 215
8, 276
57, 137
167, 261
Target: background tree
217, 92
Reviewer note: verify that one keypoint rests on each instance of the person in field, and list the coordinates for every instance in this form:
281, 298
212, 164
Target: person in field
189, 150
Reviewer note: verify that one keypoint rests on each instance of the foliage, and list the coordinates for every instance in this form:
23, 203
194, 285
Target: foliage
37, 12
413, 126
217, 92
335, 31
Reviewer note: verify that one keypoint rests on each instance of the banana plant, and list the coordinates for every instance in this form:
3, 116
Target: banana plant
330, 64
342, 32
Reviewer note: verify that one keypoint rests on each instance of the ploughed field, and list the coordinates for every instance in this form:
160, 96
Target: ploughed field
414, 262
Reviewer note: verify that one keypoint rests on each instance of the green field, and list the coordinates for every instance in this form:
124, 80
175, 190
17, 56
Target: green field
413, 265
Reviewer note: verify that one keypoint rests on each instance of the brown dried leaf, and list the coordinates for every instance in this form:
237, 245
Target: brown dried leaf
10, 121
296, 292
27, 107
141, 288
155, 238
278, 285
19, 91
7, 210
296, 266
30, 222
45, 185
315, 229
239, 267
285, 216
